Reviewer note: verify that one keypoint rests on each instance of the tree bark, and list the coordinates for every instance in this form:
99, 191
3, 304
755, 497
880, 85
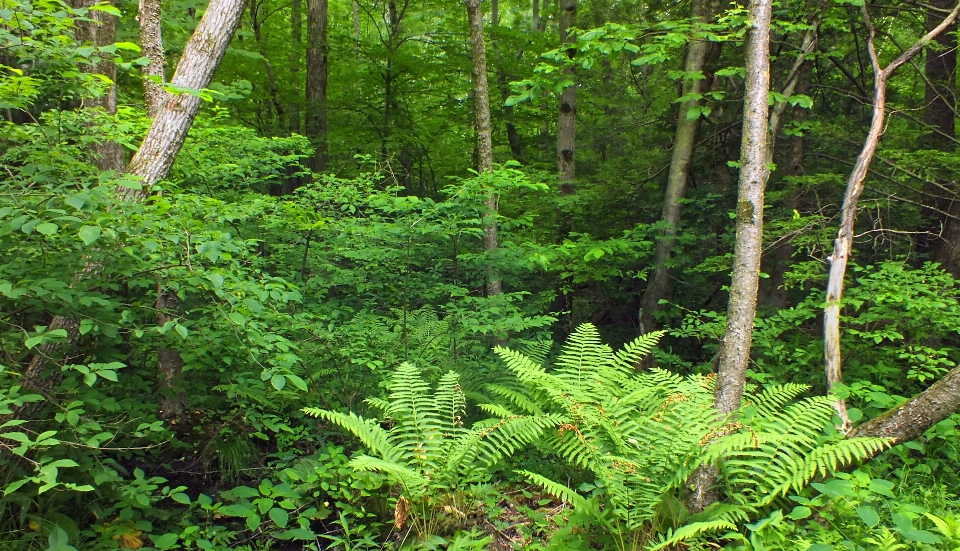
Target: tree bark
940, 110
536, 15
688, 120
296, 36
317, 81
513, 136
268, 67
169, 362
566, 121
201, 56
102, 31
481, 101
754, 171
151, 45
843, 245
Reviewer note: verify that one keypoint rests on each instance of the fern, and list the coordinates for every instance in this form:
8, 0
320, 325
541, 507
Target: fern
427, 451
643, 434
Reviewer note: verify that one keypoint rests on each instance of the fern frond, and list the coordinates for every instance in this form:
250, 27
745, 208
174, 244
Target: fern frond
368, 431
555, 489
413, 483
632, 354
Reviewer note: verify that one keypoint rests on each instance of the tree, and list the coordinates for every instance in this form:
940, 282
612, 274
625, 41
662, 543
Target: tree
567, 118
316, 117
481, 100
151, 45
201, 56
843, 245
754, 171
688, 119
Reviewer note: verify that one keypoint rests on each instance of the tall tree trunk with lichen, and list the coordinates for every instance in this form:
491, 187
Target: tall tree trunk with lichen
688, 120
754, 171
151, 46
481, 100
566, 120
316, 117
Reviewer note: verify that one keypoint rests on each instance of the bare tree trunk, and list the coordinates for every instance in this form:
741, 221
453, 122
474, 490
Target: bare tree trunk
481, 100
201, 56
843, 245
317, 81
688, 120
271, 76
101, 30
169, 362
754, 171
940, 111
566, 121
356, 23
296, 36
151, 45
513, 137
536, 15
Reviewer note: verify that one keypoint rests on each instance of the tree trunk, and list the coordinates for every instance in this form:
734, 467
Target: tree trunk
566, 121
513, 136
940, 107
268, 67
201, 56
101, 30
754, 171
843, 245
536, 15
317, 81
296, 36
481, 100
688, 120
151, 46
169, 362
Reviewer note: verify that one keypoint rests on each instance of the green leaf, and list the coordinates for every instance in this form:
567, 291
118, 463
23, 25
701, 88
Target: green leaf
106, 8
165, 541
59, 540
800, 512
868, 515
181, 498
279, 516
253, 521
296, 534
47, 228
278, 381
237, 318
89, 234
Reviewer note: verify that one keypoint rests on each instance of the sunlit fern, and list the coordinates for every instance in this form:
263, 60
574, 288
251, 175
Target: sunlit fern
426, 450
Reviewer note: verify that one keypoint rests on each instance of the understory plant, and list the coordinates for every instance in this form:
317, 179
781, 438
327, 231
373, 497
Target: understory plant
427, 452
642, 434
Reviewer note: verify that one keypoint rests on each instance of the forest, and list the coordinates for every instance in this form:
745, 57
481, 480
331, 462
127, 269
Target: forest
482, 274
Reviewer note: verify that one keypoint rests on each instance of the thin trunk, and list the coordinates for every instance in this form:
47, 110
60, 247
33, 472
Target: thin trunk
536, 15
169, 361
101, 30
687, 122
513, 136
754, 171
317, 81
271, 76
356, 24
201, 56
566, 121
151, 46
940, 110
844, 243
296, 36
481, 101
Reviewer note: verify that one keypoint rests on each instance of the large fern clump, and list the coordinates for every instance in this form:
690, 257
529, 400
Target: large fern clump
642, 434
427, 451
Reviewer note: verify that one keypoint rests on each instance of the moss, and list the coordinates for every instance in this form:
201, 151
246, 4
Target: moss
745, 211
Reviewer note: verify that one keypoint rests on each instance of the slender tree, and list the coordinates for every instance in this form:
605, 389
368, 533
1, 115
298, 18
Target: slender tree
754, 171
101, 30
843, 245
688, 120
296, 36
158, 151
567, 118
481, 100
317, 81
151, 45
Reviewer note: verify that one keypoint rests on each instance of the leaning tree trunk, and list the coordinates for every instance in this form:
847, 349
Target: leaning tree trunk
317, 81
201, 56
151, 46
101, 30
843, 245
688, 120
481, 101
754, 171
